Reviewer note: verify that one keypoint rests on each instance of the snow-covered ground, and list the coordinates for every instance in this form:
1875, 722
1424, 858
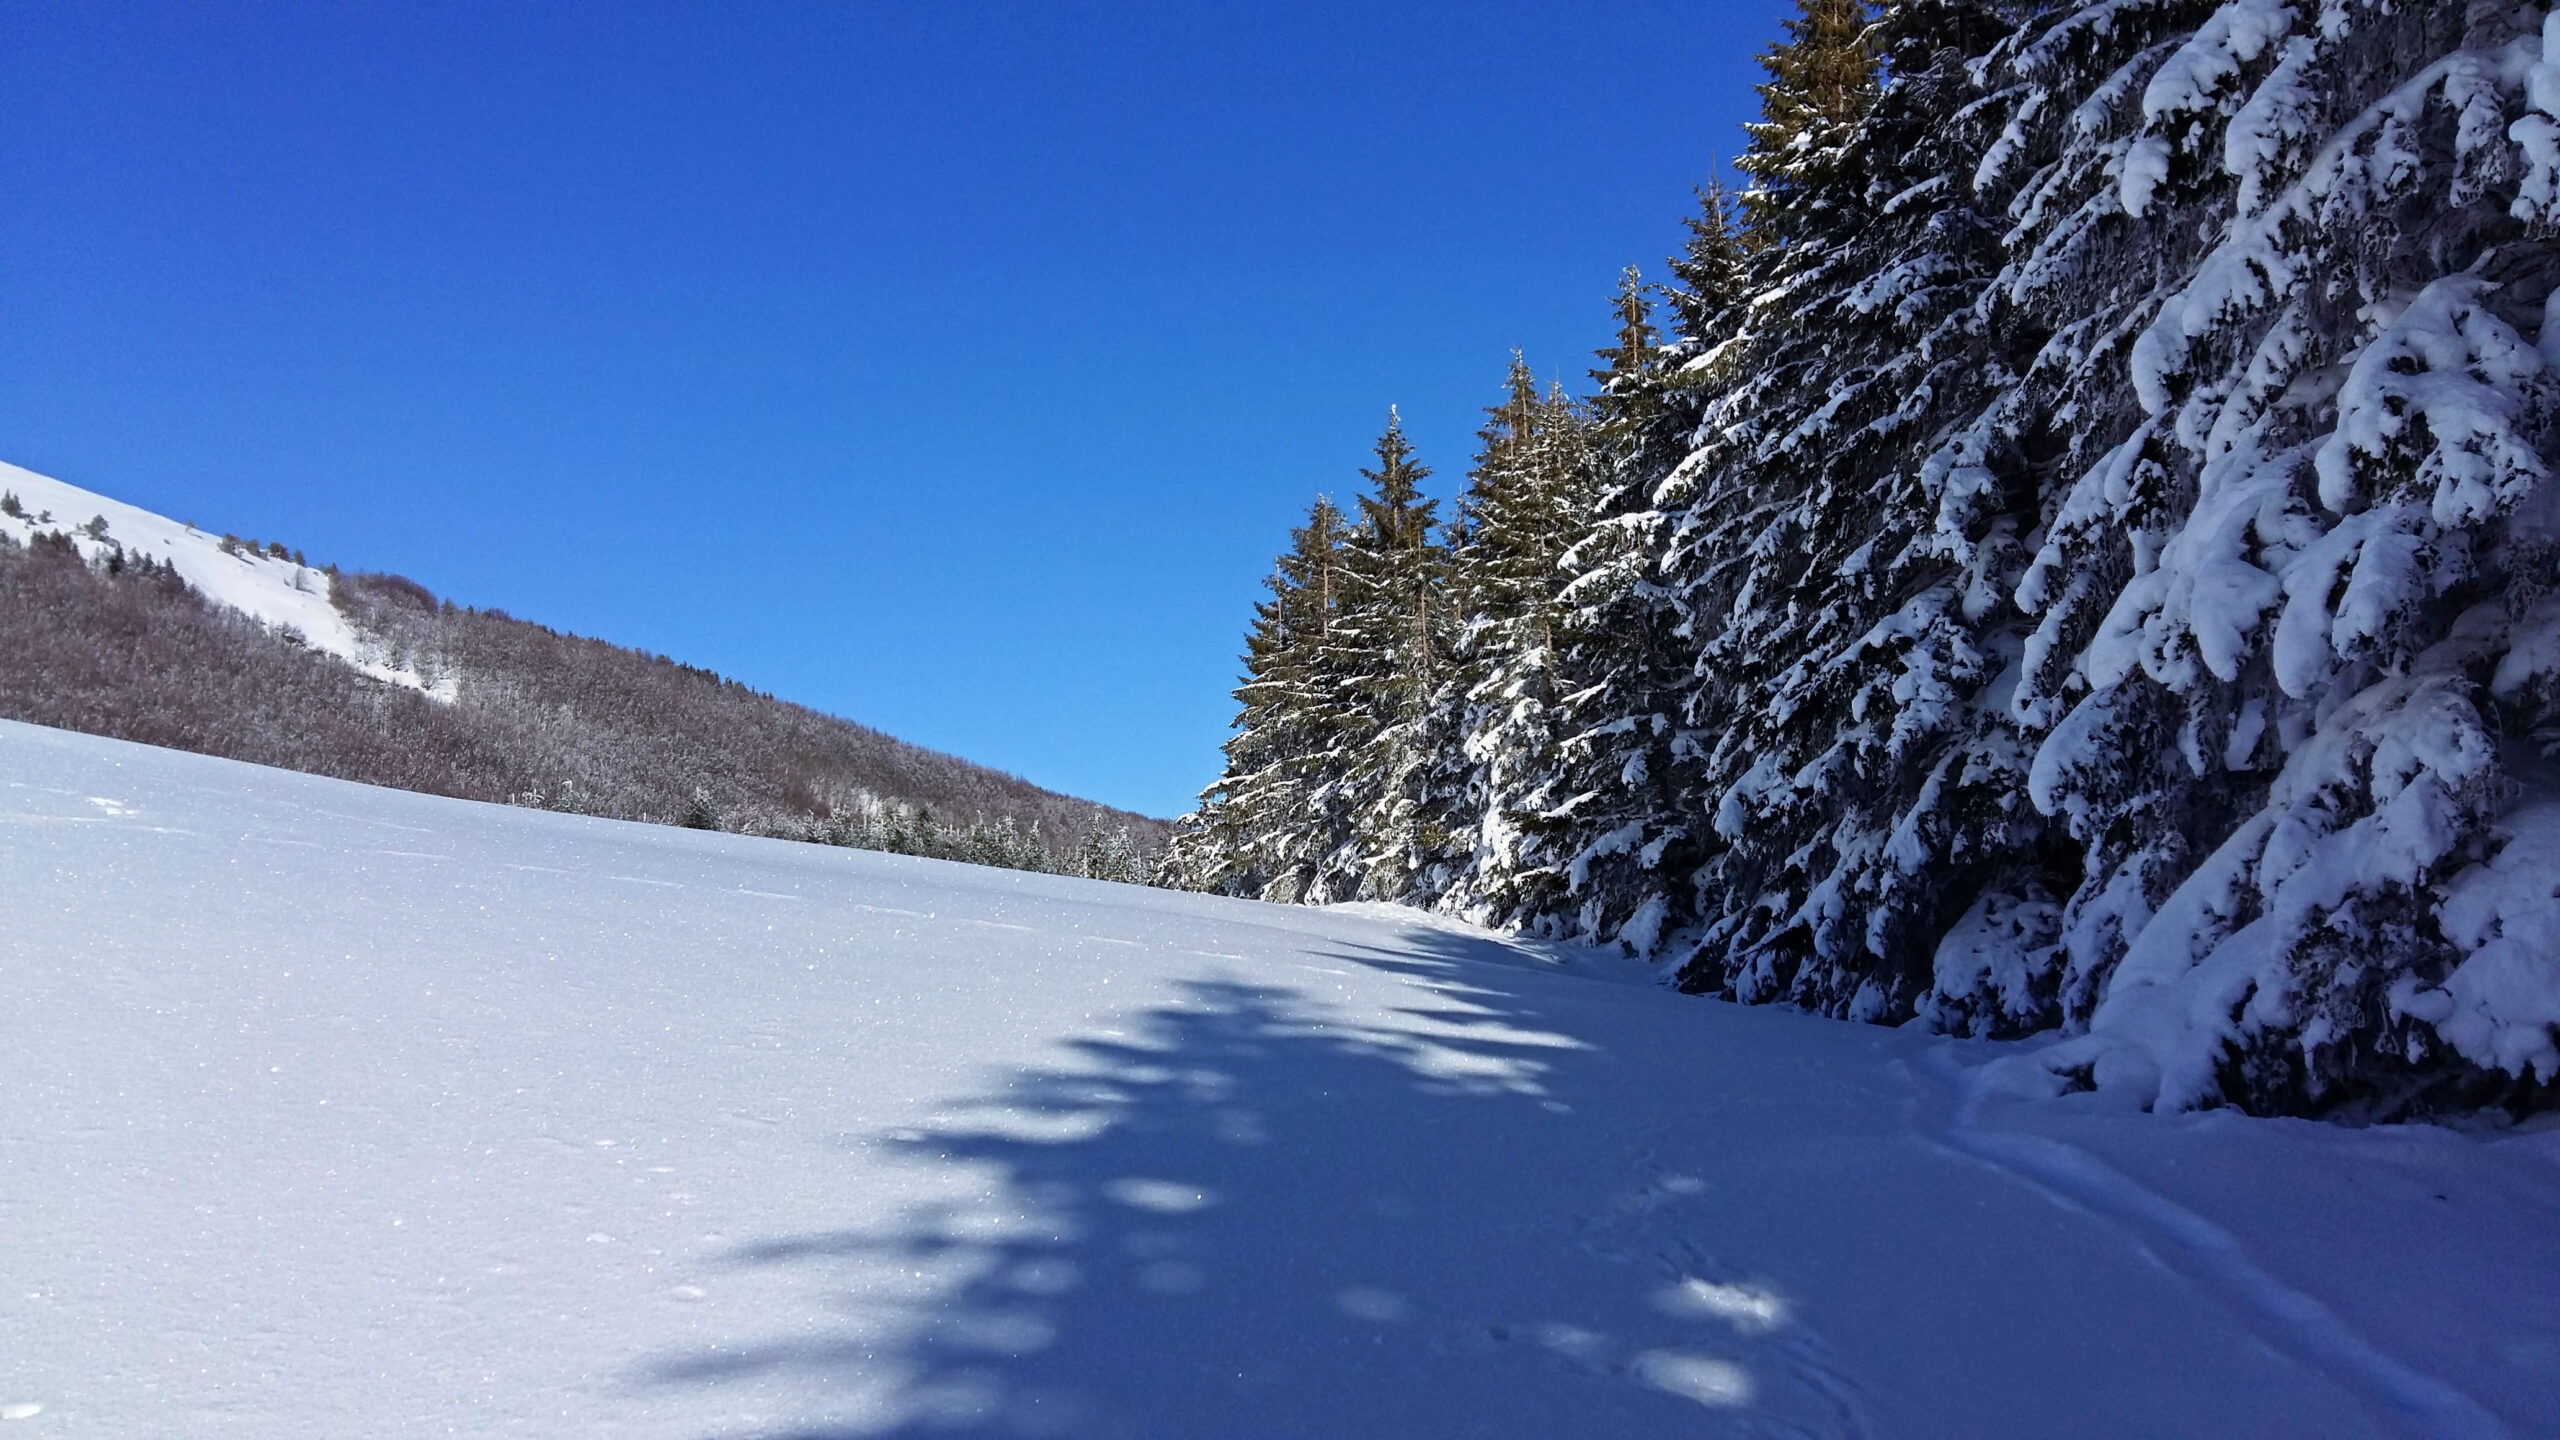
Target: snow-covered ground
330, 1111
280, 594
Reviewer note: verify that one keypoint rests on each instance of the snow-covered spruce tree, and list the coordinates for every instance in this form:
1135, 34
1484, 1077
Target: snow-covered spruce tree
1849, 544
1398, 774
1107, 853
1822, 82
1346, 776
1279, 817
2294, 645
1617, 823
1627, 842
701, 812
1707, 283
1528, 500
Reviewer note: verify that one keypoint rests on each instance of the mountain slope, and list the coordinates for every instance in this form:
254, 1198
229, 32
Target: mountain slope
147, 629
337, 1110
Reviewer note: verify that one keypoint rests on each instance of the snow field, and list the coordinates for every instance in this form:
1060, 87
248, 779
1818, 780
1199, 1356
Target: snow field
328, 1110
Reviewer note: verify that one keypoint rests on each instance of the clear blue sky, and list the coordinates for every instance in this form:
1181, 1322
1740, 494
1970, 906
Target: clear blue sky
955, 368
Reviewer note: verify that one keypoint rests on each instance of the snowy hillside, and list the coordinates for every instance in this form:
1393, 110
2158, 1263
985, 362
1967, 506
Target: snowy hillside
336, 1111
279, 592
116, 621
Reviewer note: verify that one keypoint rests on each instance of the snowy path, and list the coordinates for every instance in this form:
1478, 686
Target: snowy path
329, 1111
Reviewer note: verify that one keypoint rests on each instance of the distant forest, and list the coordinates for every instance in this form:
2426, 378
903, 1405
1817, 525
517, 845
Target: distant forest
119, 645
2071, 547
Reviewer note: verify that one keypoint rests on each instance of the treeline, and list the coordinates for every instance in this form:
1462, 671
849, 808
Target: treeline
2070, 548
119, 645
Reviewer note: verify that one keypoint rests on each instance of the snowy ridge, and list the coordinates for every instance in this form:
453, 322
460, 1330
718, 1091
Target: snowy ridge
282, 595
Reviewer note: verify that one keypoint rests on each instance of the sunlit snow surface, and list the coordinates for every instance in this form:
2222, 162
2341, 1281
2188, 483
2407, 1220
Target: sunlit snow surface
328, 1111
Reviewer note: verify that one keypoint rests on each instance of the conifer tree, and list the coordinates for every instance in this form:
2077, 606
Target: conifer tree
1822, 81
1277, 817
1616, 816
1527, 503
2289, 605
1395, 627
1631, 354
1843, 632
1723, 515
1708, 269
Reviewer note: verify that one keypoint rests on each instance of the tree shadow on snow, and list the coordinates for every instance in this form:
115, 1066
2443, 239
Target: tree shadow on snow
1239, 1216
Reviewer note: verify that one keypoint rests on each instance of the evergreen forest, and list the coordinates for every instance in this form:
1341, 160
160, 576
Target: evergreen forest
2067, 545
